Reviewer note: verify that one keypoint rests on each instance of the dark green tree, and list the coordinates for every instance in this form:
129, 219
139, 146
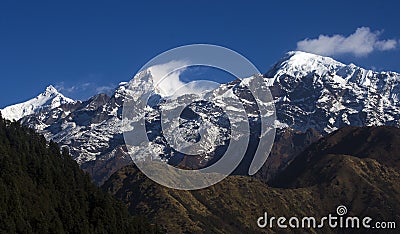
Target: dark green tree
43, 190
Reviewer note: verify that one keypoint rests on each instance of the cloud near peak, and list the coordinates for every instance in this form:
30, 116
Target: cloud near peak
166, 76
361, 43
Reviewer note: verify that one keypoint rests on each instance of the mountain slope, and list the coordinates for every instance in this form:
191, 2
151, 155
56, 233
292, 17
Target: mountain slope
91, 130
44, 191
364, 185
376, 143
287, 146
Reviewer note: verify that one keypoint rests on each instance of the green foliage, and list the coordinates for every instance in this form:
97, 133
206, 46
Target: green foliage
42, 190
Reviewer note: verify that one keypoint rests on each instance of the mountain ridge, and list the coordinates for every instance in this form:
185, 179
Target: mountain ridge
309, 91
318, 92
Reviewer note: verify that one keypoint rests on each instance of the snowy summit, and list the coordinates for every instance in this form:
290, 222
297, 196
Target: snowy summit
49, 99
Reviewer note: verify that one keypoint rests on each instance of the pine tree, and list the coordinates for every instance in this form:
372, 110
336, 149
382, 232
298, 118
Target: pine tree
42, 190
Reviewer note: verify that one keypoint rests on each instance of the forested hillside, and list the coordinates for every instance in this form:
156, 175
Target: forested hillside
43, 190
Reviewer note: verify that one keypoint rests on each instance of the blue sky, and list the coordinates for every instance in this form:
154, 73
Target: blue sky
84, 47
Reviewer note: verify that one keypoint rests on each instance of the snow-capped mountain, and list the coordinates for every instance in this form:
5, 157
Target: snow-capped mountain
318, 92
49, 99
309, 91
197, 123
91, 130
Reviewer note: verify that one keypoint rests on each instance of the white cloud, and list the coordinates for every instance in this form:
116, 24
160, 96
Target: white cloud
107, 89
361, 43
386, 45
166, 76
74, 88
84, 90
168, 84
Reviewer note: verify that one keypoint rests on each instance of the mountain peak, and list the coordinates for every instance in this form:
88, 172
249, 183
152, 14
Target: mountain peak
51, 90
326, 94
50, 99
299, 64
303, 57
